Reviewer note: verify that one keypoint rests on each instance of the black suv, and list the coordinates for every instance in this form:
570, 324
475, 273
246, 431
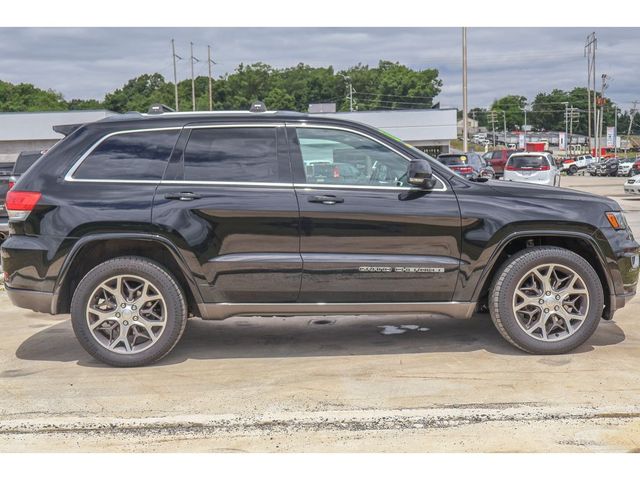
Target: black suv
136, 222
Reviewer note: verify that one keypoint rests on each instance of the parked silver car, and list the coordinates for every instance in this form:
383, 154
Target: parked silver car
532, 167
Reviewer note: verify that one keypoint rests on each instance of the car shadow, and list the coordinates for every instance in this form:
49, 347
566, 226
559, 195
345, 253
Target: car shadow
278, 337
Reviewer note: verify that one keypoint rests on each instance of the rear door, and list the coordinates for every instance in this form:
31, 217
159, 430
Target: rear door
369, 238
227, 200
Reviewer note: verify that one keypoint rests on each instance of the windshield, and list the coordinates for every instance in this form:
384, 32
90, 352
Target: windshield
528, 161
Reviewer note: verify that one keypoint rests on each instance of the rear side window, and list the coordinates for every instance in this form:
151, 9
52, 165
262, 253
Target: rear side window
232, 154
129, 156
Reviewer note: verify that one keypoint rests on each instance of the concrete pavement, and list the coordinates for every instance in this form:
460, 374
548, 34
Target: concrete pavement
326, 384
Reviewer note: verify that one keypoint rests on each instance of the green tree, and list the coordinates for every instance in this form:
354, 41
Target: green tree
25, 97
513, 106
139, 93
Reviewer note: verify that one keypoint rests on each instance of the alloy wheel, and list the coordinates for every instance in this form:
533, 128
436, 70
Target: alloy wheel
126, 314
551, 302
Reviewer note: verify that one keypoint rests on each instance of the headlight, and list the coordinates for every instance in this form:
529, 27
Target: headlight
617, 220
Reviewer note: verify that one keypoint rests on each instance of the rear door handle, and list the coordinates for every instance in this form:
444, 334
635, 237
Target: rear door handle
182, 196
326, 199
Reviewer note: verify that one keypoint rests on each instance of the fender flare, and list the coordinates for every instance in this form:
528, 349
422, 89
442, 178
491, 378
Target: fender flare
542, 233
100, 237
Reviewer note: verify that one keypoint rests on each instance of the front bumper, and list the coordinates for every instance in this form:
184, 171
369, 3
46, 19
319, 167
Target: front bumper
632, 189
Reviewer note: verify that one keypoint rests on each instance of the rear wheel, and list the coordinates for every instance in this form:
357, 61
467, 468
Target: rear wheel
573, 170
546, 300
128, 312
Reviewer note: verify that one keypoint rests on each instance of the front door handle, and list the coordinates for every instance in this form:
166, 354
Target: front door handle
326, 199
182, 196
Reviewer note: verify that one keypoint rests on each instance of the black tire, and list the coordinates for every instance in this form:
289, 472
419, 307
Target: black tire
176, 310
573, 170
511, 274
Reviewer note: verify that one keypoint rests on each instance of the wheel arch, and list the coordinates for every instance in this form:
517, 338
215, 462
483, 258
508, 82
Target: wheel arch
103, 247
582, 244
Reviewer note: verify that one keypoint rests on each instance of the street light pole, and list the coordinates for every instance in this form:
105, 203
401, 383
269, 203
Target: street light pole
465, 120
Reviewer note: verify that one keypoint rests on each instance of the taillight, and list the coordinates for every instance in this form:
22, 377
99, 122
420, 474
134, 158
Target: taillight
511, 168
336, 172
19, 204
11, 184
544, 167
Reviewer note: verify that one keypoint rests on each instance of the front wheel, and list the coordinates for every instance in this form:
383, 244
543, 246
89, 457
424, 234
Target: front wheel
128, 312
546, 300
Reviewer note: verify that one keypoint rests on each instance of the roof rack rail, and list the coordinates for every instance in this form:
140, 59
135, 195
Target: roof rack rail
159, 108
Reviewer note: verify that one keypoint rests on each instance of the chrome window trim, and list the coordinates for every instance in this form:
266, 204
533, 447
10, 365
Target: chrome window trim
69, 175
226, 184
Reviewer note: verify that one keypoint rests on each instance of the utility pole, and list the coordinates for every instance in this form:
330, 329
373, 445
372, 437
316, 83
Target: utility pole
590, 53
615, 133
492, 118
571, 114
465, 119
209, 63
566, 128
524, 127
600, 119
175, 72
504, 124
193, 80
632, 113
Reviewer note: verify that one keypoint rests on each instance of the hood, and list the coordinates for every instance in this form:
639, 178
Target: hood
548, 194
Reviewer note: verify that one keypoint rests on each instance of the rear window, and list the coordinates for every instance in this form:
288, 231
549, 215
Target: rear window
232, 154
528, 161
129, 156
453, 159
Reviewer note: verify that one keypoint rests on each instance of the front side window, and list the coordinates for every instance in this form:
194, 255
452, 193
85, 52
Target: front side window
232, 154
337, 157
129, 156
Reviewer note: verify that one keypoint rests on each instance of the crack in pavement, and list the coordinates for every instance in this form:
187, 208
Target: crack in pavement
289, 422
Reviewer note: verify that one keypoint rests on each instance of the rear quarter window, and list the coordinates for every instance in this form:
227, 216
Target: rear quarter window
129, 156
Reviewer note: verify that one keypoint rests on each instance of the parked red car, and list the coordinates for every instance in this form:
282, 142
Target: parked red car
635, 169
498, 160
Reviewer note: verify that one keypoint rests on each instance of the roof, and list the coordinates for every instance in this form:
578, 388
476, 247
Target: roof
17, 126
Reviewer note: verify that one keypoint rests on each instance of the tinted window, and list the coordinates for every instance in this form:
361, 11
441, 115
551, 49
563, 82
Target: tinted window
340, 157
232, 155
129, 156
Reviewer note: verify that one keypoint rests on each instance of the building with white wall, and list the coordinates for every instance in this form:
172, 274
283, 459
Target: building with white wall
430, 130
29, 131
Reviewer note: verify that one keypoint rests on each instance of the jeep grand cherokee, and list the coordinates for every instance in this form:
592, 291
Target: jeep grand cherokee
136, 222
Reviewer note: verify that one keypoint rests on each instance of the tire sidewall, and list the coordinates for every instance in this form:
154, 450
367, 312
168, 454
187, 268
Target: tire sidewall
166, 285
520, 265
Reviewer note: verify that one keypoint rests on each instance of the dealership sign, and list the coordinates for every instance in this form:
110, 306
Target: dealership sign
611, 137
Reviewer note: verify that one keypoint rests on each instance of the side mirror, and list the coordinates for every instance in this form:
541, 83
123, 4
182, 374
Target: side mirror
420, 175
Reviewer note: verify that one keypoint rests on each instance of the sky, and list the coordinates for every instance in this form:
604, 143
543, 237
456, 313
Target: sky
89, 62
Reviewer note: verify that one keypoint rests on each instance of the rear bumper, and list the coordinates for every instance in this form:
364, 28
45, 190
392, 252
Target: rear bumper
31, 299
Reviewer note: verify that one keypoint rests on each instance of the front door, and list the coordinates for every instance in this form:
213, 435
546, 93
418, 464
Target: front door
366, 236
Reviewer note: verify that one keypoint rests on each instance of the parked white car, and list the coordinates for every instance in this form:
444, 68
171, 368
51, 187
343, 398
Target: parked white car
632, 186
624, 167
532, 167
